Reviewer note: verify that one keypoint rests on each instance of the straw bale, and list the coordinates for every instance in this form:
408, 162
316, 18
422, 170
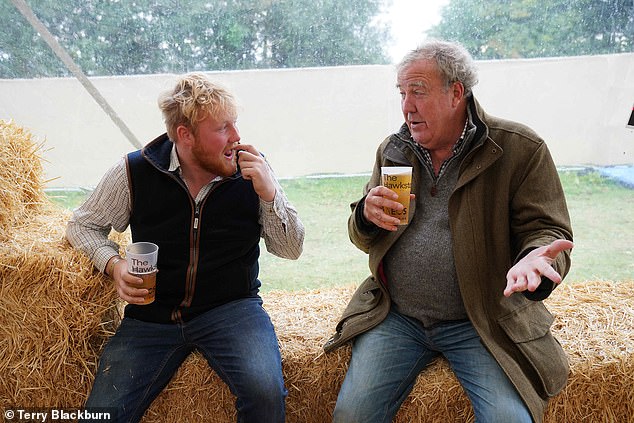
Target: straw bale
57, 311
595, 325
21, 186
593, 320
303, 321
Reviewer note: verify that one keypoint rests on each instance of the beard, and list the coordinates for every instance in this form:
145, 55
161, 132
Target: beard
217, 164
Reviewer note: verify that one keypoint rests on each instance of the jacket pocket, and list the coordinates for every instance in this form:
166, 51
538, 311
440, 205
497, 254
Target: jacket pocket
362, 313
529, 328
364, 299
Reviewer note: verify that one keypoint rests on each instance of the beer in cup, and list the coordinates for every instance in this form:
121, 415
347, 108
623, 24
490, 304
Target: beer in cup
141, 258
399, 180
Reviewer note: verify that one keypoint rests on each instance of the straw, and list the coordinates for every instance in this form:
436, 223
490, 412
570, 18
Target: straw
593, 321
57, 312
20, 174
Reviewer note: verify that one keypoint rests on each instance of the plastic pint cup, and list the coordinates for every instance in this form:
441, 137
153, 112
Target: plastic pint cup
399, 180
141, 258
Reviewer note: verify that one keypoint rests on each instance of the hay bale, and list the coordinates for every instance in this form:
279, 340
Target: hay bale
57, 311
21, 187
303, 321
594, 322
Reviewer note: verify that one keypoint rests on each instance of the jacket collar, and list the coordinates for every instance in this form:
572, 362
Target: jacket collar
479, 119
397, 151
485, 150
158, 152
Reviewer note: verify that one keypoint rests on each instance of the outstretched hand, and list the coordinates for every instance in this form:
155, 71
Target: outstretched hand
527, 273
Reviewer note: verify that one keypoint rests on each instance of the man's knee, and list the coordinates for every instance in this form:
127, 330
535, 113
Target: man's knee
267, 389
356, 409
343, 413
262, 401
504, 411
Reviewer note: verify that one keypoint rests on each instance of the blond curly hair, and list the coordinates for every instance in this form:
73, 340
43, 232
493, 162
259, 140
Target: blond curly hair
193, 99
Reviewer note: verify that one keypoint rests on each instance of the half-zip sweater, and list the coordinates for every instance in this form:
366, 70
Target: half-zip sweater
419, 267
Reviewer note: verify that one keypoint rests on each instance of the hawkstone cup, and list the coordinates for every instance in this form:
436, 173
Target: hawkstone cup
399, 180
141, 258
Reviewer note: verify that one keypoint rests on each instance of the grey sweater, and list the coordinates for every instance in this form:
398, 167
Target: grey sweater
420, 267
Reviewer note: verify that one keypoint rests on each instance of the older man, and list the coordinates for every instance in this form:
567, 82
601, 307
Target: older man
488, 238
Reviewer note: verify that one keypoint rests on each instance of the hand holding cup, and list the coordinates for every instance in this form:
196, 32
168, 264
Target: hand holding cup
387, 205
140, 279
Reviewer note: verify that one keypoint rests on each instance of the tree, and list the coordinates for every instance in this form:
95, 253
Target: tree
328, 30
111, 37
500, 29
22, 52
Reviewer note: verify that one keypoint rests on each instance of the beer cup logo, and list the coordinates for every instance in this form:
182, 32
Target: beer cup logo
399, 180
141, 258
140, 266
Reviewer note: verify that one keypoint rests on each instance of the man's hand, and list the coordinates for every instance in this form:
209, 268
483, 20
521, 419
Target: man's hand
527, 273
254, 168
127, 285
377, 198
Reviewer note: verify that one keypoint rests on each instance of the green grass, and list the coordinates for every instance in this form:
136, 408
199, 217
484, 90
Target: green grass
602, 214
68, 199
329, 258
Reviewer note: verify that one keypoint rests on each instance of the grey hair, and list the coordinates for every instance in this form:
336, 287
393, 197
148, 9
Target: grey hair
454, 62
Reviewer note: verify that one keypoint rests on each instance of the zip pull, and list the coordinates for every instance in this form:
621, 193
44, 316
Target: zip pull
196, 216
433, 191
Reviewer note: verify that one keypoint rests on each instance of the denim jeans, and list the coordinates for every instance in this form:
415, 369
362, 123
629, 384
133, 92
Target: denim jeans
387, 359
237, 339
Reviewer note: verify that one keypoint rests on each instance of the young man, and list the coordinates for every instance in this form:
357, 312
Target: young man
487, 240
205, 200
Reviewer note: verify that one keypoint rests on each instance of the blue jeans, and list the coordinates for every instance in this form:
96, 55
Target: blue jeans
237, 339
387, 359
